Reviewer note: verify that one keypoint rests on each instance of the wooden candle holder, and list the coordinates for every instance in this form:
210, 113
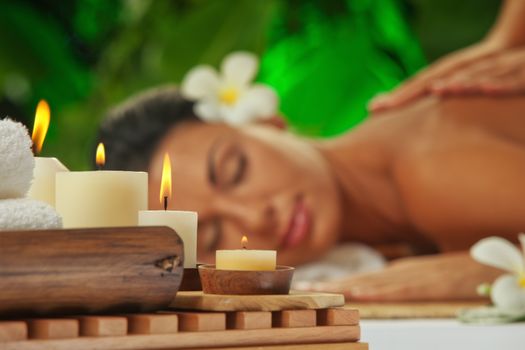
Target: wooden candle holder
245, 282
127, 269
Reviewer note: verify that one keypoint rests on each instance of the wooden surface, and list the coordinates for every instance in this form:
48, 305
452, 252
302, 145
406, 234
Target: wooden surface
201, 321
12, 331
226, 282
412, 310
338, 317
294, 318
294, 300
153, 324
53, 328
187, 340
103, 326
88, 270
249, 320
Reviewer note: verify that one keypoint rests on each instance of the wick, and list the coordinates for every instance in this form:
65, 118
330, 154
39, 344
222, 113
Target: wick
99, 166
34, 150
244, 246
165, 202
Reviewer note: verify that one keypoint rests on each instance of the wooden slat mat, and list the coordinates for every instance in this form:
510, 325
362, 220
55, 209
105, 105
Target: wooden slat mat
185, 329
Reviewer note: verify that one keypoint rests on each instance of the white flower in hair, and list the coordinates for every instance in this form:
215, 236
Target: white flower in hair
230, 96
508, 291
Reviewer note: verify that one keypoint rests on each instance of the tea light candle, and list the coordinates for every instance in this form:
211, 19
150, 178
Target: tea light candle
245, 259
43, 186
101, 198
183, 222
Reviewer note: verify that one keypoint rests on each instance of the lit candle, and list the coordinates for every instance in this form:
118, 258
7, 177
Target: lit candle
43, 186
183, 222
101, 198
245, 259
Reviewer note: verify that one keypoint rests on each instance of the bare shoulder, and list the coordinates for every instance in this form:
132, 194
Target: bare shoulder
461, 178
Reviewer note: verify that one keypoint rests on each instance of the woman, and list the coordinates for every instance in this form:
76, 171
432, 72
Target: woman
438, 183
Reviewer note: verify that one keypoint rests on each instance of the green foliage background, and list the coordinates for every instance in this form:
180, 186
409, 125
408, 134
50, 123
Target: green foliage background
86, 55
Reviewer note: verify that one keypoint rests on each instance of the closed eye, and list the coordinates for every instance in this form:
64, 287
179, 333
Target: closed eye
227, 165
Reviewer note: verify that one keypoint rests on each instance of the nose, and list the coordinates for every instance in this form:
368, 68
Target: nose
254, 216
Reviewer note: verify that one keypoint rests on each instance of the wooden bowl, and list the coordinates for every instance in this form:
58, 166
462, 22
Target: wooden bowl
245, 282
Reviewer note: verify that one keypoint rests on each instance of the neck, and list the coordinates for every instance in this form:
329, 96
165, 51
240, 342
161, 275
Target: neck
370, 200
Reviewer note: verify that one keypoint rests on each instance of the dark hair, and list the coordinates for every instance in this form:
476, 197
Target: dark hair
131, 130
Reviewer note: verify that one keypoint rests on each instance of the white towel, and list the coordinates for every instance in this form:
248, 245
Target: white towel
16, 160
27, 214
342, 261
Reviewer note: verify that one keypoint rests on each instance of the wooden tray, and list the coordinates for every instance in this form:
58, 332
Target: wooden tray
197, 300
183, 329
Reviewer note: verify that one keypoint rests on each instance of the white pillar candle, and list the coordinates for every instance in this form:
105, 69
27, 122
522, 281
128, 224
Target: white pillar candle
245, 259
183, 222
101, 198
43, 186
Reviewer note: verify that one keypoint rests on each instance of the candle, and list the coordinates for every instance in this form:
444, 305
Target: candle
43, 186
101, 198
245, 259
183, 222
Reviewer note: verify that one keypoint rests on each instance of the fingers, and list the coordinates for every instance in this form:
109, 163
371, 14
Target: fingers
434, 79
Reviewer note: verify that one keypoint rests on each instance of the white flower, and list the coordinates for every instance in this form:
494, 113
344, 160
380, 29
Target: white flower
230, 96
508, 291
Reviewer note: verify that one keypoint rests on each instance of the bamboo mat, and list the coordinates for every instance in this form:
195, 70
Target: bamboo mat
403, 310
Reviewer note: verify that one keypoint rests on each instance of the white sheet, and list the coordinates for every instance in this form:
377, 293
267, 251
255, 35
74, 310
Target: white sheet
441, 334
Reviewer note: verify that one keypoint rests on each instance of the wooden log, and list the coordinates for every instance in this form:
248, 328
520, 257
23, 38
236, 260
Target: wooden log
130, 269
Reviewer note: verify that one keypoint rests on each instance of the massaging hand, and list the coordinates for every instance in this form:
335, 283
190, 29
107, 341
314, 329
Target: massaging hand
501, 74
431, 78
487, 68
452, 276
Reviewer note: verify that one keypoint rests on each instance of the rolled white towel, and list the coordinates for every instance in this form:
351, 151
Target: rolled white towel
16, 160
343, 261
27, 214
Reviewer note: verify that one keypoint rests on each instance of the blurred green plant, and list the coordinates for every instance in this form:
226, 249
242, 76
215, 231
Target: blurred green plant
84, 56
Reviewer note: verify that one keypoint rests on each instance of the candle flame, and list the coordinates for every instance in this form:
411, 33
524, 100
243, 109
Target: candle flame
42, 117
165, 183
101, 155
244, 242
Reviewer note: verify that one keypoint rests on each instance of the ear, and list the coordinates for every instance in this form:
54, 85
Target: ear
275, 121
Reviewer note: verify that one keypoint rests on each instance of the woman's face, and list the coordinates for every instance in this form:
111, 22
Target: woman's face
256, 181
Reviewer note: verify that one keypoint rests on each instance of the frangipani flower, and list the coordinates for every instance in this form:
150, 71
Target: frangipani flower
508, 291
230, 96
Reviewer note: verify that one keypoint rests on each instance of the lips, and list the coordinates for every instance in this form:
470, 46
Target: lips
298, 227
